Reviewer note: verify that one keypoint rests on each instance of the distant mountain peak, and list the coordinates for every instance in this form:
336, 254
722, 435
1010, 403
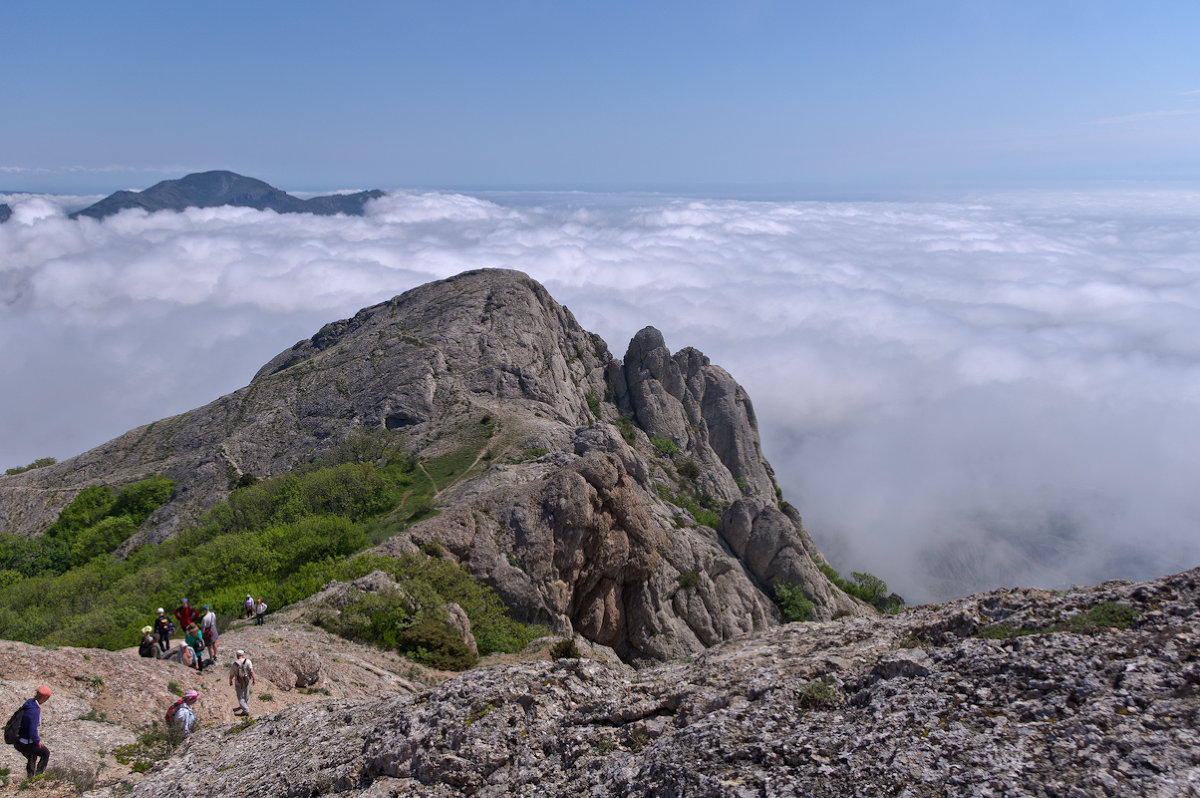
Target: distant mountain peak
221, 187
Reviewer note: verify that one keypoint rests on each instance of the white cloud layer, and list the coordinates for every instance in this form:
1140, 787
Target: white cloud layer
955, 395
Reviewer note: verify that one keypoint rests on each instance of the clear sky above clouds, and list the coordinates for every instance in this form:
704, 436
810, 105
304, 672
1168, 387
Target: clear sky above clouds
810, 98
950, 248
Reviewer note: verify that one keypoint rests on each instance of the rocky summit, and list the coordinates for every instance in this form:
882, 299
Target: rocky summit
626, 500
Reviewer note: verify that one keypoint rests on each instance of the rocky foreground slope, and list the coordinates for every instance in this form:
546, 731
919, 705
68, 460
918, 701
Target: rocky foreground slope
920, 704
913, 705
627, 500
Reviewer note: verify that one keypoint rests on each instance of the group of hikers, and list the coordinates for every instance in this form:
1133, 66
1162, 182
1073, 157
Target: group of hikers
200, 632
22, 729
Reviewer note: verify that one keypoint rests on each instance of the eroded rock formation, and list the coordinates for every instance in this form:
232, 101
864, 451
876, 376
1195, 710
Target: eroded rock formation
626, 500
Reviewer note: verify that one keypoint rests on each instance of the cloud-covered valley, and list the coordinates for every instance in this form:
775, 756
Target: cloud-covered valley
998, 390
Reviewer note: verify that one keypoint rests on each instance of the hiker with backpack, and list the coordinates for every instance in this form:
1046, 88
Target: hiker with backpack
162, 629
21, 732
195, 642
147, 647
181, 713
208, 626
241, 676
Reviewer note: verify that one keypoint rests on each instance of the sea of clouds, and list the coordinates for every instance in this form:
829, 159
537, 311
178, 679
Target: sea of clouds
997, 390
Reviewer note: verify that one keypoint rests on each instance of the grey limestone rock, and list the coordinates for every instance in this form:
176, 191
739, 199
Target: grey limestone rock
853, 707
599, 531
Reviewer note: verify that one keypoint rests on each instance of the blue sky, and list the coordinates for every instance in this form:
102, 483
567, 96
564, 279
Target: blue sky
968, 311
791, 97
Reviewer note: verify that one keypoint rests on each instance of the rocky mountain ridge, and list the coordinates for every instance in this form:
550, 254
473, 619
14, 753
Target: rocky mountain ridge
1083, 692
216, 188
626, 500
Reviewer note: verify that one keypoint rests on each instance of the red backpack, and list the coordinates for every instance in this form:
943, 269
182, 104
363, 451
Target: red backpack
172, 710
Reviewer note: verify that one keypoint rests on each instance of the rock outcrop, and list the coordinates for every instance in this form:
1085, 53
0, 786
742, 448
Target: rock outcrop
5, 212
921, 704
626, 500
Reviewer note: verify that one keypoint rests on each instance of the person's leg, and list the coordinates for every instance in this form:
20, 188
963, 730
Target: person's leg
30, 752
43, 757
243, 696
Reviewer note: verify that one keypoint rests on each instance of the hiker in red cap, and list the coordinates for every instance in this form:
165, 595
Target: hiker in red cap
28, 741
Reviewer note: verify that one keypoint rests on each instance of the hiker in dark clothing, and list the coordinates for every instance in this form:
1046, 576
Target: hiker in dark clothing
163, 628
29, 743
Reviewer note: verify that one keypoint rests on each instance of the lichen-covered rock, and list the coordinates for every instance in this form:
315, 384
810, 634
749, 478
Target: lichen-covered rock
856, 707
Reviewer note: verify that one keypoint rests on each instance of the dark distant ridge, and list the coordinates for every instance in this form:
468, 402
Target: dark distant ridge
217, 188
5, 212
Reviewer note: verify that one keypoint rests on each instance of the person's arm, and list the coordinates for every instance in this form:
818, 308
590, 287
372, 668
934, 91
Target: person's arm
29, 723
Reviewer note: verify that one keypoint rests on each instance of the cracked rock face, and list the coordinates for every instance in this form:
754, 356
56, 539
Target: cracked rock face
647, 518
862, 706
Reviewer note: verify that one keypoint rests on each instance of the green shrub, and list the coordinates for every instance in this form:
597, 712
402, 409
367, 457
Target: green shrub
432, 642
625, 427
689, 470
863, 586
688, 579
818, 694
664, 445
593, 402
1100, 618
793, 604
565, 649
41, 462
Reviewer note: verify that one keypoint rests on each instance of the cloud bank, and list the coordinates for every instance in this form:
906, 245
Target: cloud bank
994, 391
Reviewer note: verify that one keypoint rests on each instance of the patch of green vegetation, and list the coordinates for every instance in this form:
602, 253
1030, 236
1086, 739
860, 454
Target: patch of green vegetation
96, 522
689, 470
1094, 620
282, 538
41, 462
625, 427
793, 604
863, 586
151, 747
818, 694
593, 402
465, 458
428, 584
702, 507
688, 579
741, 483
530, 454
565, 649
265, 697
664, 445
433, 642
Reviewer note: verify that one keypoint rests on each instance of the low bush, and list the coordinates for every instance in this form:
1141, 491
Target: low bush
432, 642
664, 445
565, 649
625, 427
793, 604
41, 462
